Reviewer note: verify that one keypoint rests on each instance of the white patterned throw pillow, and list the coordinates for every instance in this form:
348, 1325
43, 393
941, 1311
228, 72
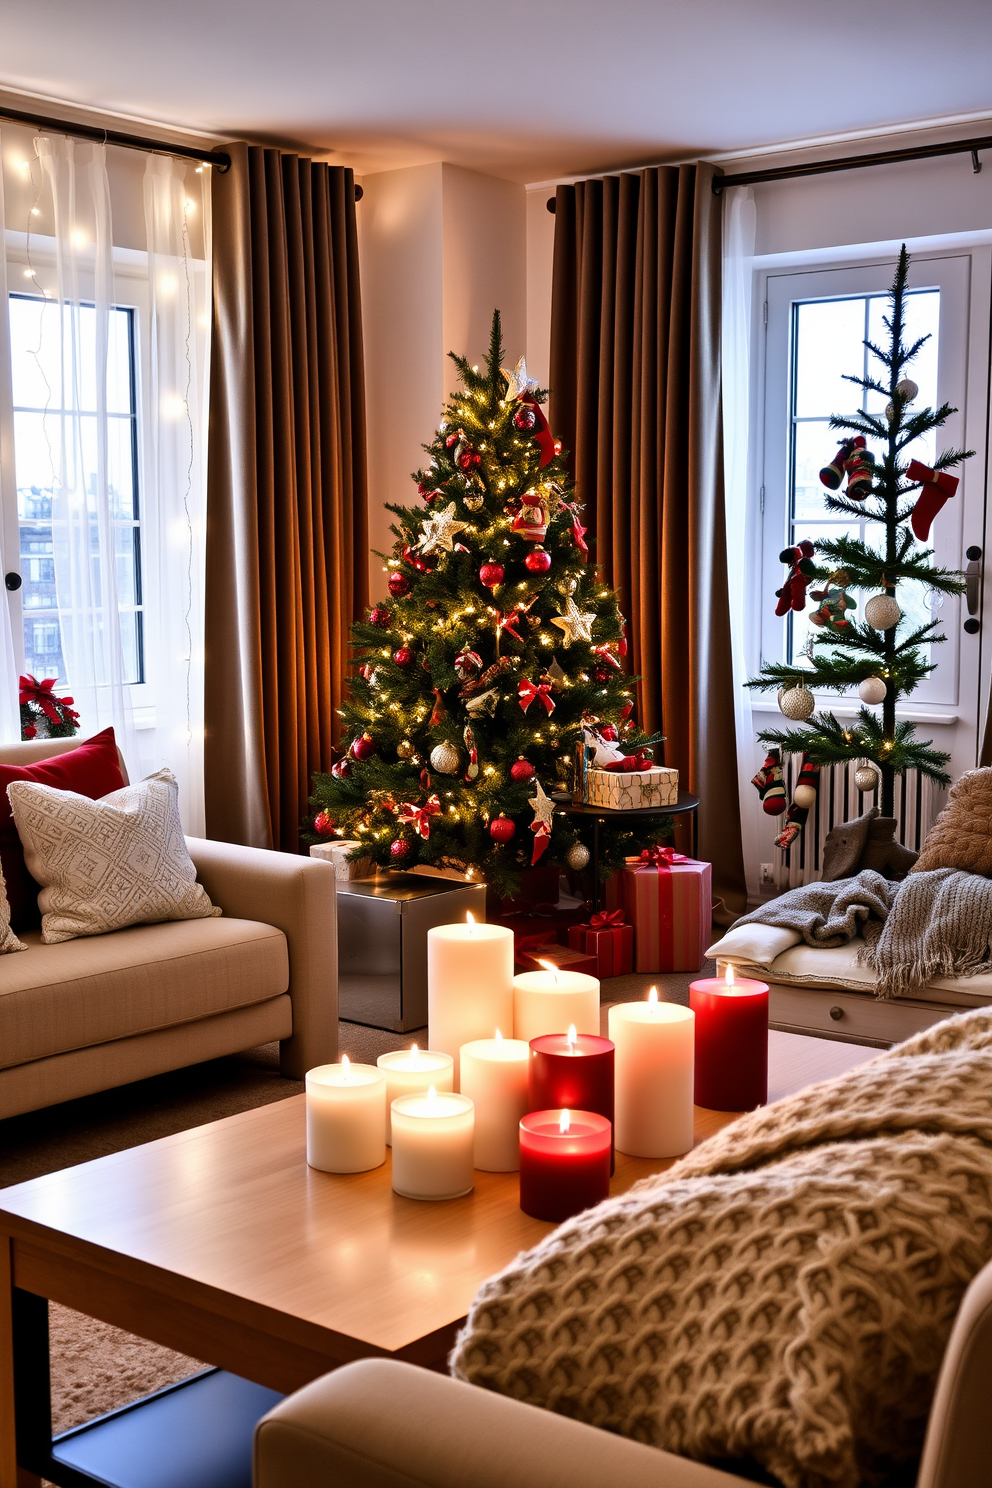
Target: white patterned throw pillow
105, 864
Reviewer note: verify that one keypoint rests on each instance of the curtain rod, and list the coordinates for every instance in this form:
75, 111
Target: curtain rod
219, 158
857, 162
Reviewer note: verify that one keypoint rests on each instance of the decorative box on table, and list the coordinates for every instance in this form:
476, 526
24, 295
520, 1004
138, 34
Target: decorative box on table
669, 898
336, 853
631, 790
382, 943
608, 939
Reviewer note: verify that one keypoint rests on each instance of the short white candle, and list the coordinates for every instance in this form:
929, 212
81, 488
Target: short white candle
411, 1070
469, 984
432, 1145
494, 1076
549, 1001
654, 1074
346, 1117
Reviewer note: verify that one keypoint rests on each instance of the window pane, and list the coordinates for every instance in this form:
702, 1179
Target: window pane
816, 443
34, 350
829, 334
922, 318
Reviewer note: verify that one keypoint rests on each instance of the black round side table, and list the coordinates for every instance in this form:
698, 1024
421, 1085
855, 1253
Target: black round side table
686, 805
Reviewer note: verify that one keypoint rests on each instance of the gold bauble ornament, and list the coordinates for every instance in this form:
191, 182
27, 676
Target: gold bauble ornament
872, 690
577, 857
404, 749
882, 612
798, 703
444, 759
866, 778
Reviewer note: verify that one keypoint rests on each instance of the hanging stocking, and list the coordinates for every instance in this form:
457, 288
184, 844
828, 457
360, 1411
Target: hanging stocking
792, 595
803, 798
935, 487
769, 785
832, 475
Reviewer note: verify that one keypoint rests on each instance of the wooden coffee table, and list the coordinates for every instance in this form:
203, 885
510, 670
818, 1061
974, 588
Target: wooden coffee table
221, 1243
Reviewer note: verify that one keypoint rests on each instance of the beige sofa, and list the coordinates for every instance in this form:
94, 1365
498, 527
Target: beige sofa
380, 1424
101, 1011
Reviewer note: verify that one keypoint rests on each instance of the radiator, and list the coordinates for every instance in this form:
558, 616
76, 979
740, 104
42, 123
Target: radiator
838, 800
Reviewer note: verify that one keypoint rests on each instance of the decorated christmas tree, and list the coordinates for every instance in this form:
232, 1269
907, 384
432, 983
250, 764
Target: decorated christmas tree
883, 655
499, 642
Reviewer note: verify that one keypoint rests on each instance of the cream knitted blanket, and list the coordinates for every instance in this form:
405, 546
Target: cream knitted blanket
783, 1295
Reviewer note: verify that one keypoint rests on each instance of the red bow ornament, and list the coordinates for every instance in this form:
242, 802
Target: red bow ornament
419, 817
528, 691
33, 691
637, 761
661, 857
605, 919
937, 486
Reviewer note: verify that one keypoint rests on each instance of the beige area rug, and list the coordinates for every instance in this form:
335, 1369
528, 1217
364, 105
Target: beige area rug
96, 1368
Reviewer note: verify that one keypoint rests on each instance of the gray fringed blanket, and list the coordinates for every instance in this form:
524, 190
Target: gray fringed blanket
930, 925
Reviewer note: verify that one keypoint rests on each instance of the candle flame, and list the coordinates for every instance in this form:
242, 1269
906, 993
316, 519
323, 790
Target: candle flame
431, 1093
414, 1053
549, 966
565, 1123
499, 1037
653, 994
345, 1066
729, 974
470, 920
571, 1036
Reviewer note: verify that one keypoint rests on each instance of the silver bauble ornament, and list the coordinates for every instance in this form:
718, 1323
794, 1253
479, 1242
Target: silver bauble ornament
882, 612
577, 856
444, 759
798, 703
866, 778
872, 690
907, 389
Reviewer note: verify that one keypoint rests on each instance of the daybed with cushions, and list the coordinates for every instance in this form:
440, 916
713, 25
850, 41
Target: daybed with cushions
102, 1010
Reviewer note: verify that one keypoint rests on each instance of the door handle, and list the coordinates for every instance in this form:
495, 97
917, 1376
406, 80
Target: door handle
973, 587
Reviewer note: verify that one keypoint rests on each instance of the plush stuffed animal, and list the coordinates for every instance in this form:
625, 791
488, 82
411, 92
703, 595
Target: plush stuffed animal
867, 842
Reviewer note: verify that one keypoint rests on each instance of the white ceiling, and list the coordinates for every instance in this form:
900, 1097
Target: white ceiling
528, 89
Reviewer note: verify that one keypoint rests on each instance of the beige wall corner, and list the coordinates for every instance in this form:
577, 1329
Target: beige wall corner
485, 264
540, 262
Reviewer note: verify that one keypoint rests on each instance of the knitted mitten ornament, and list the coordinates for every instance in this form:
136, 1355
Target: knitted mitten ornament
768, 784
792, 595
936, 486
833, 474
803, 797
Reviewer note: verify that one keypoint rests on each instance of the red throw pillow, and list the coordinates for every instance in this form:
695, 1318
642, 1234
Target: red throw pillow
91, 769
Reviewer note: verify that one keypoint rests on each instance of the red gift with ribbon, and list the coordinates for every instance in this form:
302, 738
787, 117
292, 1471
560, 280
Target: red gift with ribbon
609, 939
669, 898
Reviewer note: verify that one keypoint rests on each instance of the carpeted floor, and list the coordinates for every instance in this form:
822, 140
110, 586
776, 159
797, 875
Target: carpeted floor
95, 1367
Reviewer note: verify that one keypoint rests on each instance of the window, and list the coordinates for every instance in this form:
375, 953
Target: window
57, 448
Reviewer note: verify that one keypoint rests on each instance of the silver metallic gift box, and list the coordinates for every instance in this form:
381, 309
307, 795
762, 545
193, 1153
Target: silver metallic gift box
382, 943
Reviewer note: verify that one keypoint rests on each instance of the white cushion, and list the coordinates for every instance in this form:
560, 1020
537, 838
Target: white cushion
756, 944
803, 965
106, 864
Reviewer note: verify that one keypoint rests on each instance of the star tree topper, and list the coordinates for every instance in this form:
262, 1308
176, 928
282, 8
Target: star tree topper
575, 624
520, 385
440, 531
544, 810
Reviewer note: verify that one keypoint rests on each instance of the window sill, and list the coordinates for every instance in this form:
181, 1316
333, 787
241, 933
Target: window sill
844, 708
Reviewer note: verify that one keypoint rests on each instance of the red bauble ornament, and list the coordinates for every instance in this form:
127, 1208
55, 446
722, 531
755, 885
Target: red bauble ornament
602, 673
380, 617
522, 769
502, 829
400, 848
341, 770
609, 732
525, 418
363, 746
538, 560
323, 825
398, 584
411, 556
491, 575
403, 657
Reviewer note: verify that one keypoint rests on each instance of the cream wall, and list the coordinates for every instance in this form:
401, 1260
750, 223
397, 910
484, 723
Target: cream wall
441, 247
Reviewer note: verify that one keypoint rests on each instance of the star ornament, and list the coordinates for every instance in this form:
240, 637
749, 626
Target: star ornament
440, 531
544, 810
519, 384
575, 624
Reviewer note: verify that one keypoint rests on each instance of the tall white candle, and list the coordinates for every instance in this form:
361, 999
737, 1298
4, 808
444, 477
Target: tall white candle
549, 1001
469, 984
346, 1117
494, 1076
654, 1074
409, 1071
432, 1145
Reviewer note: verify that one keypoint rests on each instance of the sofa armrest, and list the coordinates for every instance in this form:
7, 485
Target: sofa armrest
382, 1424
298, 896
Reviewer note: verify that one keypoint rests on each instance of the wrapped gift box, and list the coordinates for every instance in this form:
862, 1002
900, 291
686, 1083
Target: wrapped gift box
536, 933
563, 957
336, 853
611, 943
671, 904
629, 790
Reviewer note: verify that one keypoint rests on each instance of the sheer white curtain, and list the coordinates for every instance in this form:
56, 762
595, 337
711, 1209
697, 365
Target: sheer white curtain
743, 539
10, 717
177, 211
89, 481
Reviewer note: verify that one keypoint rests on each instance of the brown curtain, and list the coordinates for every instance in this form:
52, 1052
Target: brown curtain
635, 379
287, 540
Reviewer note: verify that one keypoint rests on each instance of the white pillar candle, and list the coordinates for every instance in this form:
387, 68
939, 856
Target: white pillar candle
346, 1117
654, 1073
494, 1076
411, 1070
469, 984
550, 1001
432, 1145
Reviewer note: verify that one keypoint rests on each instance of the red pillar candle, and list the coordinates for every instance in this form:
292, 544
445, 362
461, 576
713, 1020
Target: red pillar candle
731, 1066
572, 1071
564, 1162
